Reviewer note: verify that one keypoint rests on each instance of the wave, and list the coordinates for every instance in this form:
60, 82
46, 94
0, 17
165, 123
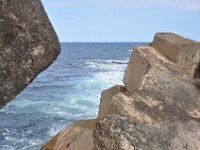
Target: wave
107, 64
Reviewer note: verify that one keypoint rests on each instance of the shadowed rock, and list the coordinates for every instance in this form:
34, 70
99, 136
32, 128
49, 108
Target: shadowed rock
28, 45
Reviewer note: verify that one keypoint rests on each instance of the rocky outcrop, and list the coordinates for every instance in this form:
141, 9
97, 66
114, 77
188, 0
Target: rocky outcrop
28, 45
158, 108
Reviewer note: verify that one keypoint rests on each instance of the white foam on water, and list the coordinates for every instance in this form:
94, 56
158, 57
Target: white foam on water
80, 103
107, 64
7, 147
55, 129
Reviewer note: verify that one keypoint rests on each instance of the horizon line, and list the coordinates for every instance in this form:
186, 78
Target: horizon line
110, 42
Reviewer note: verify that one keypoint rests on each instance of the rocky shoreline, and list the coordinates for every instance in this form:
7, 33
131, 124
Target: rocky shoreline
158, 108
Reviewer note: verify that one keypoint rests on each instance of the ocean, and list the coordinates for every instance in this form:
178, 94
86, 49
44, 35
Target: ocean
67, 91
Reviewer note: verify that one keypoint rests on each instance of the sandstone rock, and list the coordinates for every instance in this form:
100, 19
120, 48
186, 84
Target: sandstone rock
116, 101
169, 44
28, 45
75, 137
159, 107
127, 106
133, 73
106, 106
188, 60
180, 50
122, 133
142, 59
165, 83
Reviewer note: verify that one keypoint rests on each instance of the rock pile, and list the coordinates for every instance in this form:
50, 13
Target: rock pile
157, 109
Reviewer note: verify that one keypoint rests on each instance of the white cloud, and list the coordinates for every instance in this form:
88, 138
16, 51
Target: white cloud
187, 5
193, 7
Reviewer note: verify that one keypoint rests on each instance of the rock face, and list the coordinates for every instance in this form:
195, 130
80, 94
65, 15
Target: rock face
158, 108
182, 51
75, 137
122, 133
28, 45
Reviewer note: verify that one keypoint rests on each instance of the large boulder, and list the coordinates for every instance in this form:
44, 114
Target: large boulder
165, 82
180, 50
28, 45
170, 44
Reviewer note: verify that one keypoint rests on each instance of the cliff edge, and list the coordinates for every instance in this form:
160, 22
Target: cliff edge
28, 45
157, 108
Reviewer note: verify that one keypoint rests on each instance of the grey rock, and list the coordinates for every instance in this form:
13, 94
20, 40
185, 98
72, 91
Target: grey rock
28, 45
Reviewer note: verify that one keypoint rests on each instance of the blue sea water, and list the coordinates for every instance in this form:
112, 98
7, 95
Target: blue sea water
67, 91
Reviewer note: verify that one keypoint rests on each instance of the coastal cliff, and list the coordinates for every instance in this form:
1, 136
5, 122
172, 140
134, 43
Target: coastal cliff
158, 107
28, 45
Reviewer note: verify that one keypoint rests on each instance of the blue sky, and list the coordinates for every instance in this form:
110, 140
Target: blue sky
122, 20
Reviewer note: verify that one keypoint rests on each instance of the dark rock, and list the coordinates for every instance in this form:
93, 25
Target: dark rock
28, 45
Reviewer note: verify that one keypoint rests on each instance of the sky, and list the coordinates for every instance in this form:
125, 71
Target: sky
122, 20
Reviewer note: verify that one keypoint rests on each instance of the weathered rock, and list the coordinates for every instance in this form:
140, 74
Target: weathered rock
188, 60
170, 44
116, 101
184, 52
28, 45
165, 82
75, 137
160, 110
133, 73
106, 106
159, 107
127, 106
122, 133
